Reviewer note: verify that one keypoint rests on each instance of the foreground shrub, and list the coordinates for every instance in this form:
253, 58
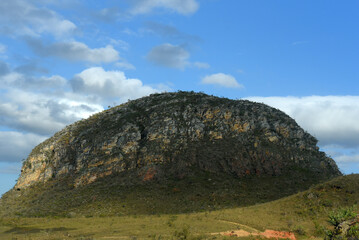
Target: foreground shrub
346, 225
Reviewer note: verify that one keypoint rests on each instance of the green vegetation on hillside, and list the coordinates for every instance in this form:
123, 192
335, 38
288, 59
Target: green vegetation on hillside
119, 195
305, 213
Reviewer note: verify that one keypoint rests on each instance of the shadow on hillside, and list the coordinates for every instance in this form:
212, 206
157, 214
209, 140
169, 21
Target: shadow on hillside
27, 230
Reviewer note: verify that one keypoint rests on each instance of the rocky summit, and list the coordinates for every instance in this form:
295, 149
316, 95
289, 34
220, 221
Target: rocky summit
170, 134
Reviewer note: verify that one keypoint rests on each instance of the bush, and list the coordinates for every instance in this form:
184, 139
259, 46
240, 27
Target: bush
346, 225
299, 230
183, 234
341, 215
353, 232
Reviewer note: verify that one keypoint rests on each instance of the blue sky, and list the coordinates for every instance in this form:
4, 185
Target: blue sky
61, 61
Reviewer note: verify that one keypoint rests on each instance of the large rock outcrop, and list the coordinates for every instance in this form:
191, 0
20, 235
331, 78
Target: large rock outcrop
171, 133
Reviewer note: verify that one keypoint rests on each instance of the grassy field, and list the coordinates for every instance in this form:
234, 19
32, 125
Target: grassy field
182, 226
305, 214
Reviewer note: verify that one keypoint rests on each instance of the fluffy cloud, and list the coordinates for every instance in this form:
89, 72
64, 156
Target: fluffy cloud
74, 51
40, 113
221, 79
332, 119
15, 146
169, 55
180, 6
22, 17
109, 84
40, 105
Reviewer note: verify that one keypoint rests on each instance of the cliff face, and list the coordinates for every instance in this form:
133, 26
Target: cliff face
171, 133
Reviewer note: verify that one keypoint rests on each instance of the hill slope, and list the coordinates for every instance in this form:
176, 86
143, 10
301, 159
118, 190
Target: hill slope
305, 214
151, 154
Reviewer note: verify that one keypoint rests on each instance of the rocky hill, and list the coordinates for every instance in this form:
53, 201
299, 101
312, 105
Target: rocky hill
178, 135
171, 132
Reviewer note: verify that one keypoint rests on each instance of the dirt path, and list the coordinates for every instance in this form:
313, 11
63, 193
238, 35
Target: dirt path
255, 232
241, 225
267, 234
249, 231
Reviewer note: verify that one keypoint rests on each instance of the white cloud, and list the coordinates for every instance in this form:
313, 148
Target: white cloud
169, 55
22, 17
201, 65
332, 119
221, 79
40, 105
180, 6
109, 84
11, 78
15, 146
40, 113
74, 51
348, 158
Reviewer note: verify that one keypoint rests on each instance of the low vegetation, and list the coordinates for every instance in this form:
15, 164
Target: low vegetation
122, 195
345, 222
313, 214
